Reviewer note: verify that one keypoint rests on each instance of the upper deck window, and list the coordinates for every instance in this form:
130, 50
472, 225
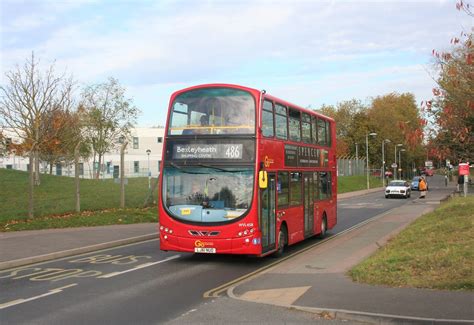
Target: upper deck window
306, 127
295, 125
281, 122
322, 133
267, 119
213, 111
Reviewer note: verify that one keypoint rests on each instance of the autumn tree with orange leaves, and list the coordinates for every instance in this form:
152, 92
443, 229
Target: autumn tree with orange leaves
452, 108
62, 130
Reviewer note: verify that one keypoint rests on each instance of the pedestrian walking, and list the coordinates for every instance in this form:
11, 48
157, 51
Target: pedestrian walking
422, 186
460, 183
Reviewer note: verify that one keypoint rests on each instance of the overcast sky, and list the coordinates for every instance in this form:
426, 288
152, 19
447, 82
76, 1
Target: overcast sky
307, 52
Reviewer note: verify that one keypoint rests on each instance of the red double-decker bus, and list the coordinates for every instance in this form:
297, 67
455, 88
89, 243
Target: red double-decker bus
244, 172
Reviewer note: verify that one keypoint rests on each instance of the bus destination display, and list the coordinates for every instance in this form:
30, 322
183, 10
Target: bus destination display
207, 151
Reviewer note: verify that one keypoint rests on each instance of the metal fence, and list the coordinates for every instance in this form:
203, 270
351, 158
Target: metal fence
350, 166
109, 169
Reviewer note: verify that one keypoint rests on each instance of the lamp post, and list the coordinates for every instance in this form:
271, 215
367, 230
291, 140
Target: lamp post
357, 158
14, 153
400, 160
367, 154
395, 161
383, 160
148, 152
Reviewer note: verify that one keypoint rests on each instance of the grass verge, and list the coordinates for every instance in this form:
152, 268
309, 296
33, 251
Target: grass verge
356, 183
84, 219
435, 252
56, 195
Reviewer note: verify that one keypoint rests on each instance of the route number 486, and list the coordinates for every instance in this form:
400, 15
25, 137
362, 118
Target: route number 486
233, 152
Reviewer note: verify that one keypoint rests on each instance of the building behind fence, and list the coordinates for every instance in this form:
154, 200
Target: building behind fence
142, 158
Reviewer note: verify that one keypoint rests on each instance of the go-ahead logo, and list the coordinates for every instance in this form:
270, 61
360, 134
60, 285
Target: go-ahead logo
199, 243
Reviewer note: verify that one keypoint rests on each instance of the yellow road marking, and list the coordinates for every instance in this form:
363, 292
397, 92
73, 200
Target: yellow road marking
282, 296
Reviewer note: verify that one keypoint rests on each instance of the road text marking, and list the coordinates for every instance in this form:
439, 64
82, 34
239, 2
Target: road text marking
49, 293
138, 267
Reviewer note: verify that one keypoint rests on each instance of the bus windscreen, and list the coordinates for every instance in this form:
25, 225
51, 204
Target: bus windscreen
202, 194
213, 111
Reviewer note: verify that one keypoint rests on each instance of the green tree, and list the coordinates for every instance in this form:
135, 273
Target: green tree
109, 117
396, 117
351, 118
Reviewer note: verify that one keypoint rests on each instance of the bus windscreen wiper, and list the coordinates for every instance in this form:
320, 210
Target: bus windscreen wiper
216, 168
186, 171
174, 165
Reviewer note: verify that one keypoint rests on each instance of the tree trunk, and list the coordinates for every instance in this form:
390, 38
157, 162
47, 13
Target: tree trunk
51, 168
122, 175
36, 169
76, 177
97, 176
31, 188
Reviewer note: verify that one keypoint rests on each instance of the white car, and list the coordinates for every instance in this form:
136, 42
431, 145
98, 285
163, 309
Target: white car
398, 188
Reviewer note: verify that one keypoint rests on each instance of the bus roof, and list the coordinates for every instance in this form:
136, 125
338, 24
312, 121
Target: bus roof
255, 91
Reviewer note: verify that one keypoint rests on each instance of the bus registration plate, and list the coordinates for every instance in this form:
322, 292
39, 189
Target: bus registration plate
208, 250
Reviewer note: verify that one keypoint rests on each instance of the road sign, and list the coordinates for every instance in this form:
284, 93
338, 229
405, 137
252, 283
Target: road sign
463, 169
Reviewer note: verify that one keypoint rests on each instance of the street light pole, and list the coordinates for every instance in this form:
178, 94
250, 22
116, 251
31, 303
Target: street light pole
383, 160
400, 160
367, 154
395, 161
357, 158
148, 152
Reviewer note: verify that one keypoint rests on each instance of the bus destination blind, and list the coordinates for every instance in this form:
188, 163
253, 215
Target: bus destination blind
207, 151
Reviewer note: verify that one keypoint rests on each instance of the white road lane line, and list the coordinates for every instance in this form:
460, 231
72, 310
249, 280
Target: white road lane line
21, 301
106, 276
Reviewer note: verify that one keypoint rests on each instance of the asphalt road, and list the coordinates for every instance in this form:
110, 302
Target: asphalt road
141, 284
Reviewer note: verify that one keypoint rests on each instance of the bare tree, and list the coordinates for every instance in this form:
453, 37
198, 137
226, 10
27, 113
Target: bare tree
110, 116
27, 99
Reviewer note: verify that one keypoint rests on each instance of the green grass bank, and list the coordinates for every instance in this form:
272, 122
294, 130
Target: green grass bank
355, 183
56, 195
435, 252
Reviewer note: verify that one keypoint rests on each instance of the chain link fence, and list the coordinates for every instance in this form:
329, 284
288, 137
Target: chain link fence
350, 166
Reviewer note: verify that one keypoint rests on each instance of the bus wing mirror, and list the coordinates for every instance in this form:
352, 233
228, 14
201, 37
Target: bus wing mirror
262, 179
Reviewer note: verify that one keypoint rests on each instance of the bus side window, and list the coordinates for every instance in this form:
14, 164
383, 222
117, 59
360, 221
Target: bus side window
283, 189
316, 185
295, 188
295, 125
306, 127
324, 185
281, 122
322, 132
328, 133
314, 130
267, 119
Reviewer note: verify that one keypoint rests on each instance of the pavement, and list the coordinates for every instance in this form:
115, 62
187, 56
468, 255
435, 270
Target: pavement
313, 281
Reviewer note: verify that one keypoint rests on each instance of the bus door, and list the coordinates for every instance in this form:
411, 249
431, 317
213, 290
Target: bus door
308, 204
267, 214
